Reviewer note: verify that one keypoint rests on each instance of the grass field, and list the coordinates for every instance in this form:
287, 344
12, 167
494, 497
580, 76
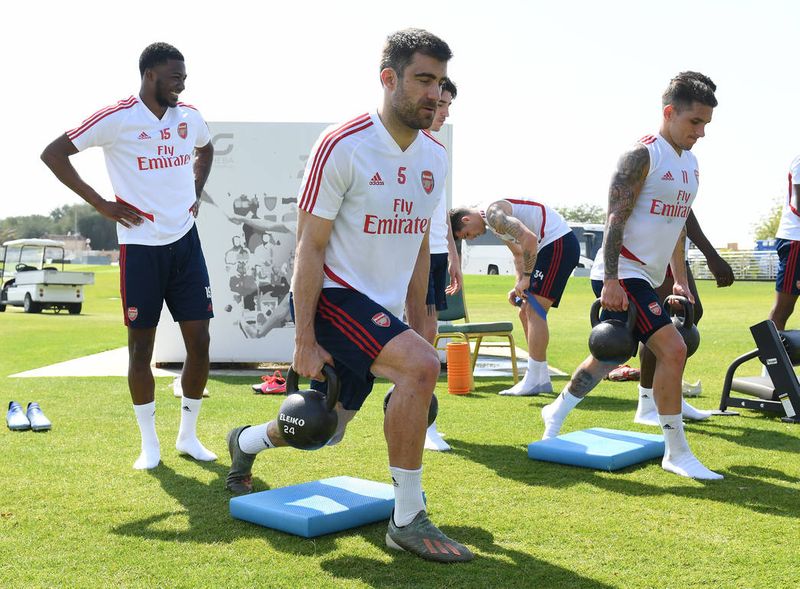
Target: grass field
74, 513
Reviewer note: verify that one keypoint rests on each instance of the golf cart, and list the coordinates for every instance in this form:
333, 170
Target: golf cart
27, 281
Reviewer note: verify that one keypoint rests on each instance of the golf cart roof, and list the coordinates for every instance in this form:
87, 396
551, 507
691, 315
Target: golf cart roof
34, 242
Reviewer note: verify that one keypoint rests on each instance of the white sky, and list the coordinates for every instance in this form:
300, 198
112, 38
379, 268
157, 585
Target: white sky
550, 93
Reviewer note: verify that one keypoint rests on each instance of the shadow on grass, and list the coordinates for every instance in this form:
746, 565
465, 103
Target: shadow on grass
726, 428
493, 566
745, 486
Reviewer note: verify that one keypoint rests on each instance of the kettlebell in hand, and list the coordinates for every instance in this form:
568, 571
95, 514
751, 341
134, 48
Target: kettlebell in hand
612, 341
307, 419
685, 323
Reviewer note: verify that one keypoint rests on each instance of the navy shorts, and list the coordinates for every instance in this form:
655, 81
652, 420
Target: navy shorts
788, 279
353, 329
437, 282
150, 275
554, 265
650, 313
666, 289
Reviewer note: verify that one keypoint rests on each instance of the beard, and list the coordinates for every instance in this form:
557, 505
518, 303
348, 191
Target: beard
163, 96
409, 113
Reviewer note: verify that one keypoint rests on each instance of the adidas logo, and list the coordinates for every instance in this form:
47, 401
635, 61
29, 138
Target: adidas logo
144, 135
186, 408
667, 176
376, 180
667, 426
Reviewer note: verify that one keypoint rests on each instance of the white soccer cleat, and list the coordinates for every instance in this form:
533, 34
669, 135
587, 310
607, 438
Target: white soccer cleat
691, 390
177, 389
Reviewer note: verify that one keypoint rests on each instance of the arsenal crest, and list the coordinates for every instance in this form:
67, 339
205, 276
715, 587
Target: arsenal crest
381, 319
133, 313
182, 130
427, 181
655, 308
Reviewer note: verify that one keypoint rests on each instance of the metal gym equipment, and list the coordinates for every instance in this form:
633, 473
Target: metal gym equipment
780, 392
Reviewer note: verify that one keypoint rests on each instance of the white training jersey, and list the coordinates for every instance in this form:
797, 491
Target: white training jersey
789, 227
658, 216
545, 223
439, 226
380, 200
150, 164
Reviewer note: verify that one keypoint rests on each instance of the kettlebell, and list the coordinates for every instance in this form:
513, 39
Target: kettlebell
433, 408
308, 419
612, 341
685, 324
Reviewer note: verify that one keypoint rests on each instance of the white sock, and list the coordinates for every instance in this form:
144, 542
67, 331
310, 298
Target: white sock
690, 412
536, 376
678, 458
151, 449
187, 442
254, 439
536, 372
646, 411
407, 494
544, 371
434, 441
556, 412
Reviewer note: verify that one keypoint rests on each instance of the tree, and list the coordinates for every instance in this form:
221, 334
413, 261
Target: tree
101, 231
583, 213
767, 226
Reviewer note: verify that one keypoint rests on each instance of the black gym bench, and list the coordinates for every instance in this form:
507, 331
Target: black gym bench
780, 392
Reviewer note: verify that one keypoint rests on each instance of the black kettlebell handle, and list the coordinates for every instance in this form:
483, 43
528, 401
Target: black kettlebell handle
688, 309
331, 397
594, 315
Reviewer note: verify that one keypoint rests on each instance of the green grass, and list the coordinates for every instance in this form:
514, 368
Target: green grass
74, 513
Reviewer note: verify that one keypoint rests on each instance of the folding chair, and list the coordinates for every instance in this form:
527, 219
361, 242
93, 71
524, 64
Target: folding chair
474, 332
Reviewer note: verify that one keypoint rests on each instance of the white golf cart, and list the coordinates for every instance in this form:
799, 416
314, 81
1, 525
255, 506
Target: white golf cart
27, 281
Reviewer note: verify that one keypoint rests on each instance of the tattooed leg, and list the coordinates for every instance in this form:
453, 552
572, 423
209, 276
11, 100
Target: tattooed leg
585, 378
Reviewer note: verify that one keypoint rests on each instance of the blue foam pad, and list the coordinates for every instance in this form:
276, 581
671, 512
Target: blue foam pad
317, 508
600, 448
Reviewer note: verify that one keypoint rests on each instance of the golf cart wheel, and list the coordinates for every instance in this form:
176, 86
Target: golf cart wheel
75, 308
29, 306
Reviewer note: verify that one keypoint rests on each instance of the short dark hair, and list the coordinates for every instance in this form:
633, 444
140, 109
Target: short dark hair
450, 86
401, 46
688, 87
456, 214
156, 54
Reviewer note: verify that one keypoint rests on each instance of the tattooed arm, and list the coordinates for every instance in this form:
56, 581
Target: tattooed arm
499, 218
625, 186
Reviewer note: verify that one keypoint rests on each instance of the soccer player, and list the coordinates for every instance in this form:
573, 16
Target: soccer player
444, 260
545, 254
158, 154
787, 282
646, 412
369, 190
650, 197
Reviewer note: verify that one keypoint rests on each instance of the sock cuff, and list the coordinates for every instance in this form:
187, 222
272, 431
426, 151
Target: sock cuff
145, 410
645, 390
192, 403
404, 471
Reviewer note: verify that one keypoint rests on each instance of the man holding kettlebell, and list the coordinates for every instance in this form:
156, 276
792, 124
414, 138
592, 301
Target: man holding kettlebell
649, 199
365, 203
646, 411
